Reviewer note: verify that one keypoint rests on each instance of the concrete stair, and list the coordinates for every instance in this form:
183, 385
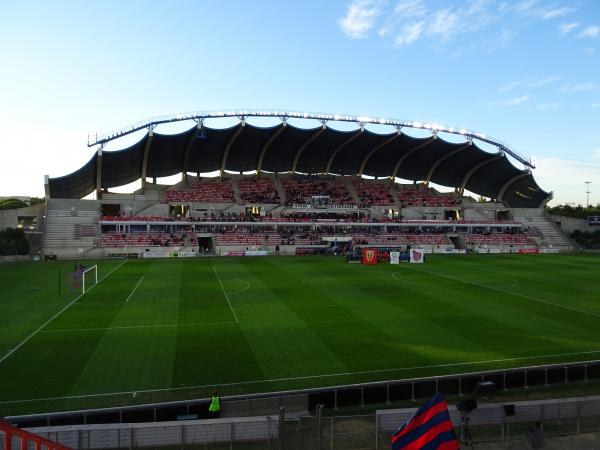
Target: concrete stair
351, 189
280, 190
237, 198
60, 230
552, 235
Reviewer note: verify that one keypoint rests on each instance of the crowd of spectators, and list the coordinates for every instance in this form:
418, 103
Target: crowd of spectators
373, 193
258, 190
217, 190
488, 238
421, 195
300, 190
141, 239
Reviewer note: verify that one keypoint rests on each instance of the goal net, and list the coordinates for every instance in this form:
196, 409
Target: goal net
89, 278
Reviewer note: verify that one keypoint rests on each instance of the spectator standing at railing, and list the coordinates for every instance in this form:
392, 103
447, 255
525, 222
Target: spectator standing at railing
215, 406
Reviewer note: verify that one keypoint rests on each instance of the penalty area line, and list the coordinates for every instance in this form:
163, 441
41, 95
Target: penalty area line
134, 327
516, 294
136, 286
307, 377
225, 293
24, 341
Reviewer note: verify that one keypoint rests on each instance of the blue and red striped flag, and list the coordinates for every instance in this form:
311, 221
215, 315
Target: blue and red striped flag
429, 429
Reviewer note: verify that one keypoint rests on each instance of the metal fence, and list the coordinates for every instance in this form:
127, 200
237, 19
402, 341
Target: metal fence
490, 422
301, 401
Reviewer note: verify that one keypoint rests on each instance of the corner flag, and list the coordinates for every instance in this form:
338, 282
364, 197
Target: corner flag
429, 429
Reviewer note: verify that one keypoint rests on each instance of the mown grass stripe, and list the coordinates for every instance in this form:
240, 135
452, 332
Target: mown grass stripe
24, 341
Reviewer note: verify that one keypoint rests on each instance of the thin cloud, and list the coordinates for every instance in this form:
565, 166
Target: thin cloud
556, 12
405, 22
403, 11
596, 105
547, 106
513, 101
409, 34
445, 24
532, 9
408, 9
566, 28
589, 51
360, 18
544, 81
530, 82
590, 32
581, 87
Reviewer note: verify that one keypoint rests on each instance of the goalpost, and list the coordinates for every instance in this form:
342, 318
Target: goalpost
89, 278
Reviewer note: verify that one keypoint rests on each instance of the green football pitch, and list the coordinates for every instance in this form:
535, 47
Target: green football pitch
160, 330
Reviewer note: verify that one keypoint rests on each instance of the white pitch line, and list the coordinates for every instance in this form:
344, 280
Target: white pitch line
132, 327
226, 296
535, 299
330, 375
136, 286
24, 341
241, 290
514, 283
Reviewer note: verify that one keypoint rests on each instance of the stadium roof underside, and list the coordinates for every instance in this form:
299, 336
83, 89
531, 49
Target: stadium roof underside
321, 150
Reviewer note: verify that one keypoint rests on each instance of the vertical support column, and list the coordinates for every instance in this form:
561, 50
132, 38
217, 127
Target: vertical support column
280, 434
99, 173
145, 158
376, 432
319, 425
47, 186
23, 442
7, 440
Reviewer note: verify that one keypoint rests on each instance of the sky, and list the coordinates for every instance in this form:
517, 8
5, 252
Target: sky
525, 72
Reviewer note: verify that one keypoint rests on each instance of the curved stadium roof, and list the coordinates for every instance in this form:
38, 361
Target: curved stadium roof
286, 148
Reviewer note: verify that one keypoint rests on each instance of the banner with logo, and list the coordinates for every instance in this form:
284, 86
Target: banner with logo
167, 253
593, 221
394, 257
369, 256
417, 256
256, 253
233, 253
548, 250
528, 250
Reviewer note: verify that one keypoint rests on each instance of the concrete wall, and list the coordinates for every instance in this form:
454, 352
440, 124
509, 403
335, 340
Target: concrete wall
8, 218
14, 258
570, 224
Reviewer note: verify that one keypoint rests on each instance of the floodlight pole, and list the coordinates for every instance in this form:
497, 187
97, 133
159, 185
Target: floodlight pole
587, 191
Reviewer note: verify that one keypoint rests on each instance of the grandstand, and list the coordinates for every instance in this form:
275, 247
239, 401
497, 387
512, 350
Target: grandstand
203, 323
308, 186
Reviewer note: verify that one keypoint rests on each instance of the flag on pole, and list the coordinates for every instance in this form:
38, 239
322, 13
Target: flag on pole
429, 429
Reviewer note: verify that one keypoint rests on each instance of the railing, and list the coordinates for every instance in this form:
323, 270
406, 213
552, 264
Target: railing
489, 422
352, 395
17, 439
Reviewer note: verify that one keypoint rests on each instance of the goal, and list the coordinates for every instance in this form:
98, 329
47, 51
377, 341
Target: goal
89, 278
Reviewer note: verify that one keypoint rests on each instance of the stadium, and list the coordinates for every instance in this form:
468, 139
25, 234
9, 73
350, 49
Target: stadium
292, 265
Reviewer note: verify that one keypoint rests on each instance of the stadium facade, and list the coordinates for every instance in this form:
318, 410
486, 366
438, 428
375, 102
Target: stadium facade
294, 190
